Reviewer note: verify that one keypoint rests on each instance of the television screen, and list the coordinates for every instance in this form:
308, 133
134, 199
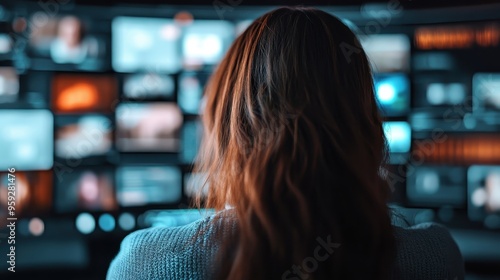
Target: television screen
33, 193
393, 94
484, 191
148, 86
143, 185
80, 137
441, 92
387, 52
191, 137
486, 91
398, 136
66, 40
437, 186
27, 139
73, 93
147, 44
148, 127
205, 42
190, 93
6, 44
85, 189
9, 84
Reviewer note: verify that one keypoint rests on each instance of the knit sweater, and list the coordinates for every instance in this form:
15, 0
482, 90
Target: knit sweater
425, 251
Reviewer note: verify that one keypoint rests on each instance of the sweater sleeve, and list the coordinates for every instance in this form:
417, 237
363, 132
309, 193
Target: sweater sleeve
161, 253
427, 251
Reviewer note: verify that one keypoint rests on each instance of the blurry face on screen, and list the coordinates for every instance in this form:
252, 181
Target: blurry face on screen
63, 40
143, 185
86, 136
486, 92
86, 189
33, 193
27, 140
148, 127
9, 84
83, 93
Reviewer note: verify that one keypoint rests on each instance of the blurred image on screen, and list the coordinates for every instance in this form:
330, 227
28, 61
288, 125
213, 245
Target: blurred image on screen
148, 86
5, 45
191, 138
89, 135
27, 140
484, 191
398, 136
393, 94
143, 185
83, 93
486, 90
190, 93
193, 184
387, 52
437, 185
9, 84
149, 44
205, 42
89, 189
33, 193
148, 127
65, 40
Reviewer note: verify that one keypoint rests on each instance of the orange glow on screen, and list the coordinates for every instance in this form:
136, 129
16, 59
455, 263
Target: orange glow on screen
33, 193
83, 93
470, 149
460, 37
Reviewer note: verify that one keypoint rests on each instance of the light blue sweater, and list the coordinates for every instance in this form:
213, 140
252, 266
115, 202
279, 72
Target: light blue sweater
426, 251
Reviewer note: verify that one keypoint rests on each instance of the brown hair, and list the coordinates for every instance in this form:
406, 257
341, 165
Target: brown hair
294, 142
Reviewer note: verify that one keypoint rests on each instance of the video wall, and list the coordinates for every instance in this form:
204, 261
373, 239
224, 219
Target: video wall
101, 116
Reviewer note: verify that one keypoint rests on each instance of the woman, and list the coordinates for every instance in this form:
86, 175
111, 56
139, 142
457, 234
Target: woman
294, 146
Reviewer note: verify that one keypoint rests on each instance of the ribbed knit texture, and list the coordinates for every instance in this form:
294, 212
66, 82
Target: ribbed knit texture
425, 251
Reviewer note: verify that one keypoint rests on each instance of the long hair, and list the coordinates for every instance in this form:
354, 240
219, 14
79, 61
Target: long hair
294, 144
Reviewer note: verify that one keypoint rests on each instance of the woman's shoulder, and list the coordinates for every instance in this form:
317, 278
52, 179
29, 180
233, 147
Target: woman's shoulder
172, 252
163, 253
427, 251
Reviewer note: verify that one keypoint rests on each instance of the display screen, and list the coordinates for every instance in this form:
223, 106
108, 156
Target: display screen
148, 127
85, 188
387, 52
9, 85
486, 92
66, 39
80, 137
393, 94
437, 186
398, 136
143, 185
27, 140
484, 191
205, 42
148, 86
83, 93
146, 44
33, 193
190, 93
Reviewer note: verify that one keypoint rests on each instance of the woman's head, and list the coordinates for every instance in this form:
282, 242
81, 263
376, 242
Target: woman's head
294, 142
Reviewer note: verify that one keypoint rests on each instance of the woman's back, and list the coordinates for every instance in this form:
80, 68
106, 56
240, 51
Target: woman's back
294, 144
425, 251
